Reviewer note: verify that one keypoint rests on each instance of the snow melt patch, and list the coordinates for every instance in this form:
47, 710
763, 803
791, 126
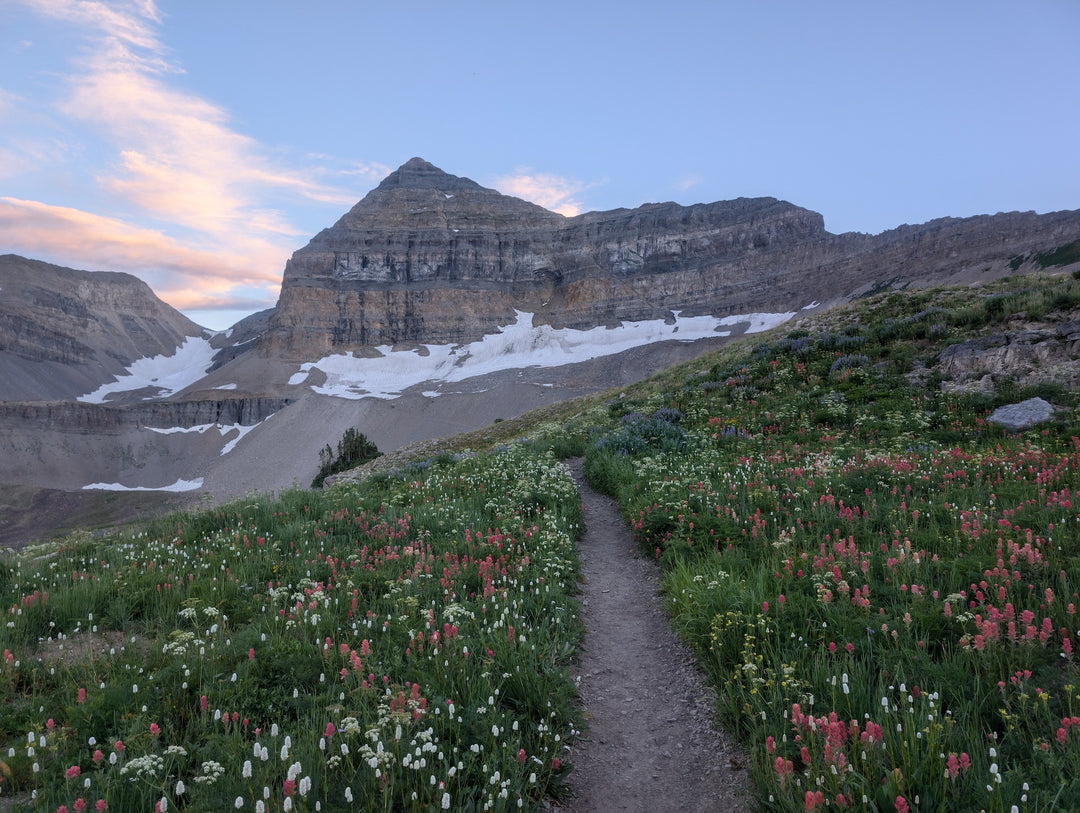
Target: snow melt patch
168, 374
240, 429
172, 430
513, 347
179, 485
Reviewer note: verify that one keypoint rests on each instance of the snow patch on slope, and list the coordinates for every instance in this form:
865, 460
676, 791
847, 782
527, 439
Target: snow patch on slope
169, 374
240, 429
179, 485
516, 346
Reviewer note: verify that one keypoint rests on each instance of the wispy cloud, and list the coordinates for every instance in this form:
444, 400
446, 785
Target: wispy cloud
550, 191
174, 165
687, 182
184, 276
7, 101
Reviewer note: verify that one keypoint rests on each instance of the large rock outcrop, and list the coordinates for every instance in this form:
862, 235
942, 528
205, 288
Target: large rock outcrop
64, 332
429, 257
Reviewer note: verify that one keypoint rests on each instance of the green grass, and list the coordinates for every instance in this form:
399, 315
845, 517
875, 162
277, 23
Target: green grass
1062, 255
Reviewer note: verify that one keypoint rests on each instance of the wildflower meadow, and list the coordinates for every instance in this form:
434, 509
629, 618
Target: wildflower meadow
403, 646
882, 585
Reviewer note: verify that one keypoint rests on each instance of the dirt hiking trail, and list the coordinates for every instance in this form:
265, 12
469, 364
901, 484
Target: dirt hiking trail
652, 744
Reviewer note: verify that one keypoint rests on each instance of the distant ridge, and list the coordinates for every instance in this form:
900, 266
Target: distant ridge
64, 332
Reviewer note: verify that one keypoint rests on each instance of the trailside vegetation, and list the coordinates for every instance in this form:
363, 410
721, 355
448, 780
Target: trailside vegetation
882, 585
403, 645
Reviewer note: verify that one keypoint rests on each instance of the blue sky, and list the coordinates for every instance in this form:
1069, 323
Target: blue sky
198, 144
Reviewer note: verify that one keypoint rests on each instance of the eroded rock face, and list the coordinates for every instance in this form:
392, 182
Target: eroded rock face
429, 257
73, 416
1028, 355
64, 332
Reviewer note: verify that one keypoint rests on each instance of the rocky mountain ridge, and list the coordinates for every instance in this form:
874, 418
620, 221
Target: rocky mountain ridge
64, 331
428, 257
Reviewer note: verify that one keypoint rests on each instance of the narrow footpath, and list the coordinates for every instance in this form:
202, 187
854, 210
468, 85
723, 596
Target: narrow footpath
652, 745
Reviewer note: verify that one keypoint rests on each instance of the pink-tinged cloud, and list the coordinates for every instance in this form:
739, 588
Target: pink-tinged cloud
189, 193
178, 158
550, 191
183, 276
132, 23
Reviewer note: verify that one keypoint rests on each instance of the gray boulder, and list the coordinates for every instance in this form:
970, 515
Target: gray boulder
1016, 417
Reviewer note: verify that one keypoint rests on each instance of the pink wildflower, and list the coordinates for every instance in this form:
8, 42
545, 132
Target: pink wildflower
952, 766
783, 768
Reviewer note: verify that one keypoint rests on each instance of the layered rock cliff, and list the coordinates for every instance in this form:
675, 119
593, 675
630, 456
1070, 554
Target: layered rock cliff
64, 332
429, 257
73, 416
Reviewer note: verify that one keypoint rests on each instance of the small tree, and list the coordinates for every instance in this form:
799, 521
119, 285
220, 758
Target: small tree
353, 450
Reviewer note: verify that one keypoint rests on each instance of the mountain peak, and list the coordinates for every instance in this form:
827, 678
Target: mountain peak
416, 173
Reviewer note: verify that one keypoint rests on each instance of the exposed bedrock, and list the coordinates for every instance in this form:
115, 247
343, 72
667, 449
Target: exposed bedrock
431, 257
64, 332
75, 416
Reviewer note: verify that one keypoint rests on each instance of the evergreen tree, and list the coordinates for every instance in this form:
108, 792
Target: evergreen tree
353, 450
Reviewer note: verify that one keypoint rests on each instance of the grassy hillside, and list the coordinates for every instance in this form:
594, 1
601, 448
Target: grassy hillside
881, 584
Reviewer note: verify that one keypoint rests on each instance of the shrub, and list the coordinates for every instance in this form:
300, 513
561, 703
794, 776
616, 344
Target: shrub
353, 449
637, 436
